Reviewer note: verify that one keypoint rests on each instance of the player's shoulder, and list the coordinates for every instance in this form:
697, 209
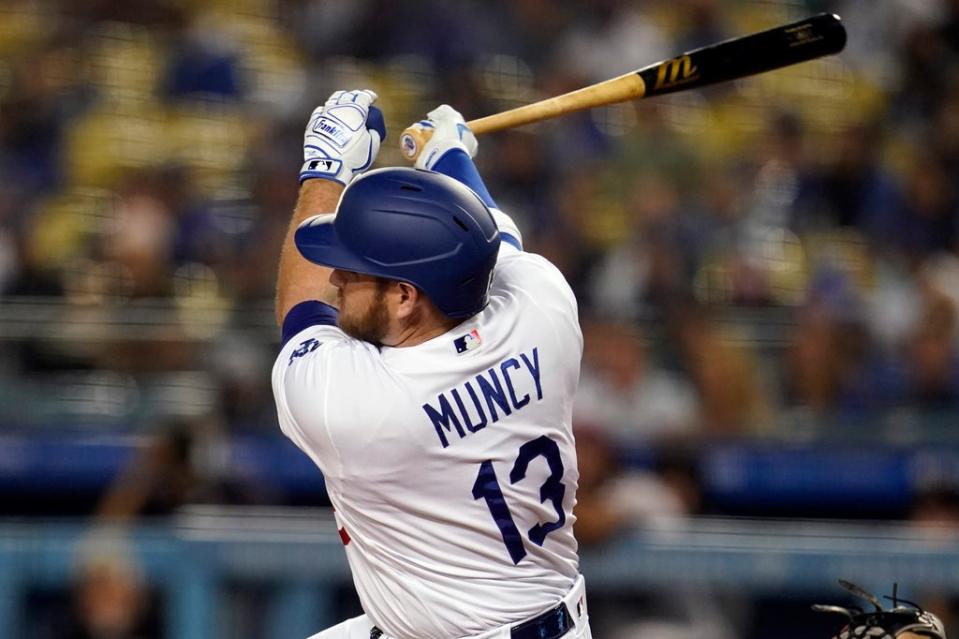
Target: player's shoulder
323, 360
512, 258
324, 345
530, 271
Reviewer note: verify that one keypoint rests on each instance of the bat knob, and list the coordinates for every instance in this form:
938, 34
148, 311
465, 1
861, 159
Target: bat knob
408, 146
412, 141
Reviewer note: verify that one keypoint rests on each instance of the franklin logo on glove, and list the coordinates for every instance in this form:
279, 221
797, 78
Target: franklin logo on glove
338, 135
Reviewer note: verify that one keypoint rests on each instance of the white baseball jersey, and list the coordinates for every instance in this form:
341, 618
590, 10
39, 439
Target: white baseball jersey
451, 464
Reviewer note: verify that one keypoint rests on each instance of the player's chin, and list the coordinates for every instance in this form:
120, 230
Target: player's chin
370, 326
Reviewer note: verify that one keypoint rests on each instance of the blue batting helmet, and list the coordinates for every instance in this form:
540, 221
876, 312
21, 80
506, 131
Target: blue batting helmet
415, 226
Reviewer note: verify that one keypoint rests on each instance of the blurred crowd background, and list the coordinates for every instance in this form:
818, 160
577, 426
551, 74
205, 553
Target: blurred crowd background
767, 270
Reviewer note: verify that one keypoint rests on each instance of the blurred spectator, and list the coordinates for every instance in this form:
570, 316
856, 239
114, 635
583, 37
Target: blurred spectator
929, 220
45, 89
816, 361
933, 356
936, 507
935, 516
733, 397
140, 243
178, 466
204, 64
702, 24
610, 499
8, 259
528, 30
831, 365
242, 372
926, 69
650, 262
158, 480
158, 14
938, 277
111, 599
945, 142
624, 395
852, 189
609, 39
759, 260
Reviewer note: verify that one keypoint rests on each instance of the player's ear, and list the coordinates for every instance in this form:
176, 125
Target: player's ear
405, 297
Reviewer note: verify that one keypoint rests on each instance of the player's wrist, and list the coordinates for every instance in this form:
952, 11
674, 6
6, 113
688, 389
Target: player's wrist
434, 157
429, 140
313, 188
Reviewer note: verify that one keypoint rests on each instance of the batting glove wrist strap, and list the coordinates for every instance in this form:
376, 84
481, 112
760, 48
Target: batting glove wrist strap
449, 132
342, 137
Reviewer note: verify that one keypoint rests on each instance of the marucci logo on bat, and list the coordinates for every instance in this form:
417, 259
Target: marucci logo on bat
675, 72
802, 35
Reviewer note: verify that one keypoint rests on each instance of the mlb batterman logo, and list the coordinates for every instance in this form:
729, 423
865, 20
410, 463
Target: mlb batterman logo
408, 144
468, 342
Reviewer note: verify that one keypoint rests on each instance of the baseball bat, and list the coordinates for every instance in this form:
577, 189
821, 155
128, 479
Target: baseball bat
728, 60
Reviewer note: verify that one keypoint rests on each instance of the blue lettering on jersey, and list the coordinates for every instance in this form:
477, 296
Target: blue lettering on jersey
477, 414
512, 363
493, 393
304, 348
534, 371
481, 420
443, 418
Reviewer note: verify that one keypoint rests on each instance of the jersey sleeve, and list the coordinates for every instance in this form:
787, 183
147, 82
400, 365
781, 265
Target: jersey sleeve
537, 287
508, 231
309, 377
304, 315
301, 369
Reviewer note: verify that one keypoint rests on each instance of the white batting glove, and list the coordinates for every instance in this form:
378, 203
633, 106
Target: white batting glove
449, 132
342, 137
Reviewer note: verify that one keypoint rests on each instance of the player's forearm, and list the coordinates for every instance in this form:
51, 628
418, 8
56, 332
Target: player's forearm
459, 166
297, 279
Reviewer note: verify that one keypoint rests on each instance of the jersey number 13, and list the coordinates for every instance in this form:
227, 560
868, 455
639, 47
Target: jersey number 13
487, 487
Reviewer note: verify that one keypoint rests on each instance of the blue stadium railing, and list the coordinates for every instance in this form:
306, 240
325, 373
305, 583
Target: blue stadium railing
191, 561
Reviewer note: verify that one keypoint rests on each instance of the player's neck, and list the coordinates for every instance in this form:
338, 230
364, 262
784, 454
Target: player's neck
415, 333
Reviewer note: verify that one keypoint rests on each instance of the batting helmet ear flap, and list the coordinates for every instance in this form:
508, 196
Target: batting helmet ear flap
415, 226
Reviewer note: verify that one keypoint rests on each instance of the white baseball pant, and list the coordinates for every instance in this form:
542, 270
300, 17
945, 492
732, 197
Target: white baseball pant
575, 600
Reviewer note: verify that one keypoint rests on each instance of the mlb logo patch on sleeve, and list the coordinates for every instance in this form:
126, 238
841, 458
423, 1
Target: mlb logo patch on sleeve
468, 342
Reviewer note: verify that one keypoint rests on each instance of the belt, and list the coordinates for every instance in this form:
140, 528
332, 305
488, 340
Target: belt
552, 624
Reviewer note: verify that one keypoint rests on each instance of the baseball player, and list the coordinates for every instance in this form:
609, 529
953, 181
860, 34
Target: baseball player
428, 368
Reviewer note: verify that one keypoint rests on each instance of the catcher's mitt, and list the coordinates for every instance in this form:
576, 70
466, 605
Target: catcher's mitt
904, 622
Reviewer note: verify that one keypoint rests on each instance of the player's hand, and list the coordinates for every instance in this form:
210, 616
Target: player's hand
449, 131
342, 137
